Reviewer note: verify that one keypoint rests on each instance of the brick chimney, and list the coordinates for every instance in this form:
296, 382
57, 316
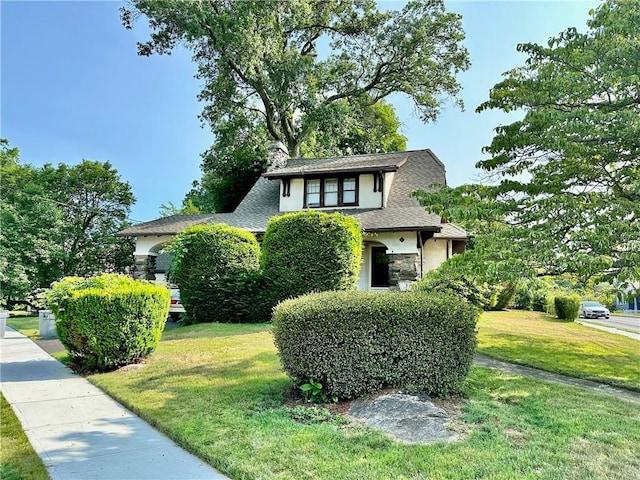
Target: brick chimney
277, 155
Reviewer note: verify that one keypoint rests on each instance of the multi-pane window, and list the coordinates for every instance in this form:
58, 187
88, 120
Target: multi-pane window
331, 192
313, 193
349, 191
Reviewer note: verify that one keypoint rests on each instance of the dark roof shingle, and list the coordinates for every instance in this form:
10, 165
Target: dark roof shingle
414, 170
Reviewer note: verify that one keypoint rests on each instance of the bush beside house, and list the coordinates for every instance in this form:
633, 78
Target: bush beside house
355, 343
311, 251
108, 321
216, 268
482, 295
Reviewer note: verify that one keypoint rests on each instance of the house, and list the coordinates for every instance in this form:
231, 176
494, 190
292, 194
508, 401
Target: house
401, 240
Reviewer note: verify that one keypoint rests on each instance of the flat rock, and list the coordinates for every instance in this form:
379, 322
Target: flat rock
406, 417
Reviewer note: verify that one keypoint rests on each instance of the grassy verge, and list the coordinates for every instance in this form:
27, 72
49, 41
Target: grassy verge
218, 391
28, 325
17, 459
538, 340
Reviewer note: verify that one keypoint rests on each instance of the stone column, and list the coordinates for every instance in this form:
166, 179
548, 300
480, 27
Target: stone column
402, 266
145, 267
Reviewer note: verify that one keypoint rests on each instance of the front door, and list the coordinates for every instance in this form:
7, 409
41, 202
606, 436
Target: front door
379, 267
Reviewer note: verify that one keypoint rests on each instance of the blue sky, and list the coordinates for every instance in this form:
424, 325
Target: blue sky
73, 87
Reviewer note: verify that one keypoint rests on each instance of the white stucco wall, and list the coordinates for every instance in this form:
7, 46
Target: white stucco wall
434, 253
367, 198
388, 180
393, 242
294, 202
151, 245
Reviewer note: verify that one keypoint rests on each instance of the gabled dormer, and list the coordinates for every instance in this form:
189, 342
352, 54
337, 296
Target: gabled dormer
356, 182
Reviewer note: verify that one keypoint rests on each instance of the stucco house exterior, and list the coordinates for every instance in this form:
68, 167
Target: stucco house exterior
401, 240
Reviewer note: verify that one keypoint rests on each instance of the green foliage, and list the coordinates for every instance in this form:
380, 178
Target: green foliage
505, 294
569, 171
314, 415
311, 251
447, 279
532, 294
108, 321
262, 57
264, 80
522, 297
216, 269
314, 392
359, 342
567, 308
58, 221
539, 301
187, 208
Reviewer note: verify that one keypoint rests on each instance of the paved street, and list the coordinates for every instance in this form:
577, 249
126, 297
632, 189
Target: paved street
616, 321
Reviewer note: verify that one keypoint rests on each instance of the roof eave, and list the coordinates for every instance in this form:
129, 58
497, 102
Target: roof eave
273, 175
404, 229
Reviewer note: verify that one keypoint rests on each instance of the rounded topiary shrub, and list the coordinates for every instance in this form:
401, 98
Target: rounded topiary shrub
210, 267
108, 321
311, 251
355, 343
567, 308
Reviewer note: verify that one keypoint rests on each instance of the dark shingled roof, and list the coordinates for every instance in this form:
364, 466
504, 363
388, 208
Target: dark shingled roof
414, 170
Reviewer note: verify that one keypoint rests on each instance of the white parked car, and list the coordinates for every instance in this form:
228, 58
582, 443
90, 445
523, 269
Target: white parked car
175, 308
593, 310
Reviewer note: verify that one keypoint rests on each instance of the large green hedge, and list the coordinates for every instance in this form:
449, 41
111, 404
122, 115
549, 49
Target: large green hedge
108, 321
311, 251
358, 342
209, 265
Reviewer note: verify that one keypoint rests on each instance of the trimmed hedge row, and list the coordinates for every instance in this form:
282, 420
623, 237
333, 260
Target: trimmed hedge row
108, 321
218, 269
359, 342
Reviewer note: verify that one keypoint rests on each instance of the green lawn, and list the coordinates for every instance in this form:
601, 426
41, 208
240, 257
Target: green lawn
538, 340
28, 325
18, 461
218, 391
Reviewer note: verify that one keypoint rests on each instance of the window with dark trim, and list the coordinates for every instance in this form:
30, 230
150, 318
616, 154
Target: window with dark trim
330, 192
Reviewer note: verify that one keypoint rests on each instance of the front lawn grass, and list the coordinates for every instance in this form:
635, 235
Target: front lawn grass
541, 341
18, 460
218, 391
28, 325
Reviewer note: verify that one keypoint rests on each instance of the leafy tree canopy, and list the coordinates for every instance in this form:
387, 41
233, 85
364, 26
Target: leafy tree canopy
262, 57
59, 221
566, 189
264, 79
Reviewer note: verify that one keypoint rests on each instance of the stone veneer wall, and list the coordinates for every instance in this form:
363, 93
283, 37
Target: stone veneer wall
403, 266
145, 267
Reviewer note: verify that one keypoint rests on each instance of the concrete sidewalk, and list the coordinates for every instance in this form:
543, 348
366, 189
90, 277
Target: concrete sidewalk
78, 430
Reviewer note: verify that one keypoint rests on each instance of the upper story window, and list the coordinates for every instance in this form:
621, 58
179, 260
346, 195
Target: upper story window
331, 192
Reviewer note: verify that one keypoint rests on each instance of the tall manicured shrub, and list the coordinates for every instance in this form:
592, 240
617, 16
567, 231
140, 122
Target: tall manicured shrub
108, 321
355, 343
209, 265
311, 251
567, 308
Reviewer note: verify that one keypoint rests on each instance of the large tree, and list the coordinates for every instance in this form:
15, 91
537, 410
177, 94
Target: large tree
238, 156
266, 57
59, 221
565, 189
